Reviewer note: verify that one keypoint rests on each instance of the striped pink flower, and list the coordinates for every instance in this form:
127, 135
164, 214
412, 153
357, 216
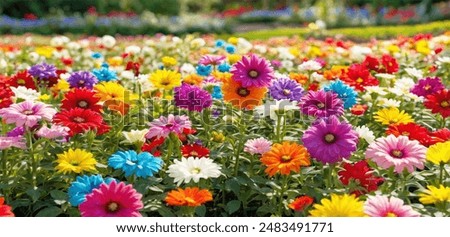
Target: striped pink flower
27, 113
382, 206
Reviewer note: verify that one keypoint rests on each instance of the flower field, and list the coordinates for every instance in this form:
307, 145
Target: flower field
201, 126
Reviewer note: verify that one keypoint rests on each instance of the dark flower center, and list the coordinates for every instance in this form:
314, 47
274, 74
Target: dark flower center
253, 74
28, 112
243, 91
397, 153
165, 82
81, 82
286, 92
79, 119
112, 207
285, 158
169, 125
330, 138
445, 104
82, 104
320, 105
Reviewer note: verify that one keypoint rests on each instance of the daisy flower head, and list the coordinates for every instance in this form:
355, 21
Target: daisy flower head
439, 153
112, 200
435, 195
81, 120
285, 158
362, 174
321, 104
242, 97
104, 74
135, 136
286, 89
392, 115
192, 98
24, 93
330, 141
193, 169
427, 86
76, 161
300, 203
142, 165
344, 92
194, 150
27, 113
439, 103
82, 79
252, 71
412, 130
165, 79
398, 152
310, 65
55, 131
338, 206
8, 142
383, 206
82, 186
111, 90
192, 197
81, 98
358, 76
365, 133
43, 71
257, 146
5, 210
212, 59
22, 78
163, 126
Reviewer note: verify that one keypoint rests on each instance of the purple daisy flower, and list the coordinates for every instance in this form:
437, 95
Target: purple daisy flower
329, 140
192, 98
43, 71
427, 86
321, 104
253, 71
212, 59
16, 132
286, 89
163, 126
27, 113
82, 79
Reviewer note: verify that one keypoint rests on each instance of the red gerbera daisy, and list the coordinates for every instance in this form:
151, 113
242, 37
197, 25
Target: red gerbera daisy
186, 132
5, 210
5, 95
300, 203
153, 146
389, 63
361, 173
359, 76
372, 63
194, 150
441, 135
439, 102
81, 120
359, 109
22, 78
81, 98
411, 130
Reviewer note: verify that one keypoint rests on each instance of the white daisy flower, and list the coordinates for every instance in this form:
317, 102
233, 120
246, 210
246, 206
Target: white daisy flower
21, 92
310, 65
193, 169
365, 133
135, 136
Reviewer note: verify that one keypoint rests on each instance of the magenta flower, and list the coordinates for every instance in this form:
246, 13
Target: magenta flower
112, 200
192, 98
427, 86
257, 146
253, 71
27, 113
8, 142
321, 104
329, 140
55, 131
163, 126
398, 152
212, 59
382, 206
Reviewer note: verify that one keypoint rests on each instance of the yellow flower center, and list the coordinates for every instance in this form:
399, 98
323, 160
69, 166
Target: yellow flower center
285, 158
390, 214
21, 82
195, 170
359, 80
397, 154
330, 138
243, 92
253, 74
445, 104
286, 92
113, 207
193, 153
189, 200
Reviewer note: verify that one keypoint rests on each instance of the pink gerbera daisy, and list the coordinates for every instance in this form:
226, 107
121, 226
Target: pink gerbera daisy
212, 59
163, 126
27, 113
398, 152
112, 200
253, 71
8, 142
257, 146
382, 206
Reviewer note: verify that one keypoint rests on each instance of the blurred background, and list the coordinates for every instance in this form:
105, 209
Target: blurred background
133, 17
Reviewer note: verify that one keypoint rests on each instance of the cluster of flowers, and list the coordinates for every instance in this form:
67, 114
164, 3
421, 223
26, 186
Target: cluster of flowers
197, 126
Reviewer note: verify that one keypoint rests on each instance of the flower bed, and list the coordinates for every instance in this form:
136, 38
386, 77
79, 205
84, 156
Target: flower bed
168, 126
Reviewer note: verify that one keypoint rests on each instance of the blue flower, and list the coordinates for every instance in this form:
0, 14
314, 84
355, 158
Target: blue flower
344, 92
104, 74
96, 55
204, 70
142, 165
82, 186
230, 49
220, 43
224, 67
217, 93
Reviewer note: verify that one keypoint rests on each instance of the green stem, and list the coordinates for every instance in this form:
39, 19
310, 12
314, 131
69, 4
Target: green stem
236, 164
278, 128
33, 159
282, 191
441, 172
330, 178
4, 166
443, 122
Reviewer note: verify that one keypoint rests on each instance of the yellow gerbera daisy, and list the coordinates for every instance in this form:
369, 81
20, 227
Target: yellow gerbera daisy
234, 58
169, 61
193, 79
435, 195
439, 153
113, 91
165, 79
75, 161
339, 206
393, 115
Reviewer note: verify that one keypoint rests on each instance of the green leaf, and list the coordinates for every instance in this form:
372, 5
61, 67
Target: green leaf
59, 197
233, 185
34, 194
49, 212
165, 212
233, 206
200, 211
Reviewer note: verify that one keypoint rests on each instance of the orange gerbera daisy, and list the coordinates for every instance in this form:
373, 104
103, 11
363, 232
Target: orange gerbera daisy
242, 97
285, 157
191, 197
